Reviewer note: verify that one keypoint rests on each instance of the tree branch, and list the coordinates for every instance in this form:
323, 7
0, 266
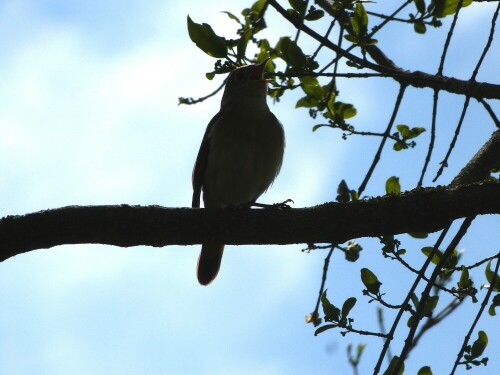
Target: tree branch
478, 90
421, 210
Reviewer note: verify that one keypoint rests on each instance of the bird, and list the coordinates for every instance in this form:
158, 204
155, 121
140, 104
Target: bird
240, 155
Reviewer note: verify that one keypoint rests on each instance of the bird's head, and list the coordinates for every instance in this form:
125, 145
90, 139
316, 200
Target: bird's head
246, 84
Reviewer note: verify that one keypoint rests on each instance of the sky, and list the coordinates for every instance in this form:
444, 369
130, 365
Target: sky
89, 115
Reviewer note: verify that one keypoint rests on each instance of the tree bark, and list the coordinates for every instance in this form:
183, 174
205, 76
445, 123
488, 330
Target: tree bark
421, 210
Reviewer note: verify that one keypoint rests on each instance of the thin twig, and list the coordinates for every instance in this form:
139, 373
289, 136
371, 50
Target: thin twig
387, 132
448, 38
490, 111
326, 264
190, 101
433, 138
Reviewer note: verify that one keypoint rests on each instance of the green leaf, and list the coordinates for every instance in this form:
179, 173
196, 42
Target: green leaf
489, 276
307, 102
494, 304
210, 75
316, 127
314, 14
241, 47
392, 185
258, 6
347, 306
359, 20
291, 52
409, 322
437, 255
312, 88
206, 39
479, 345
398, 146
464, 278
420, 4
232, 16
370, 281
325, 328
419, 27
343, 110
352, 38
407, 133
392, 367
445, 8
298, 5
426, 370
331, 312
430, 305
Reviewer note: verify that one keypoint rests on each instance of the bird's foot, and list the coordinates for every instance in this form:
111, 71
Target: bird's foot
280, 206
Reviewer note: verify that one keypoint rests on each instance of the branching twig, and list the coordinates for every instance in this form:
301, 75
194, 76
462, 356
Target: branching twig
479, 313
426, 293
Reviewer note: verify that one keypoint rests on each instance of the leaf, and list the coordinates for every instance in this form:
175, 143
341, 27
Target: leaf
331, 312
392, 366
352, 38
420, 4
314, 14
426, 370
311, 87
359, 20
479, 345
489, 276
445, 8
419, 27
494, 304
291, 52
316, 127
324, 328
414, 300
347, 306
430, 305
242, 44
298, 5
464, 278
370, 281
437, 255
344, 110
392, 185
232, 16
398, 146
206, 39
307, 102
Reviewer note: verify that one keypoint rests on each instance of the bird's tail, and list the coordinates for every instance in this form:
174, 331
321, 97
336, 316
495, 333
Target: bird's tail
209, 263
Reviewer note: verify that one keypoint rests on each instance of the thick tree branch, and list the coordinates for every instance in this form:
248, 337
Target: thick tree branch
421, 210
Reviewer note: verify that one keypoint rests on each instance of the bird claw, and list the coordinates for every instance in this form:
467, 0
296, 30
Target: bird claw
283, 205
280, 206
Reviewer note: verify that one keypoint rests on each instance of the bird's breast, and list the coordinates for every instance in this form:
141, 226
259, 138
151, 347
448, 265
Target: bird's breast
246, 152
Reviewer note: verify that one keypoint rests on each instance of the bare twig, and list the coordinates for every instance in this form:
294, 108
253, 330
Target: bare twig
382, 143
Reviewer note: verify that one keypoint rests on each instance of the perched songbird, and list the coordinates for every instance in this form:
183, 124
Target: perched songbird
240, 155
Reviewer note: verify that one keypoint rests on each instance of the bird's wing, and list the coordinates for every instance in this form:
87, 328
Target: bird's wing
200, 165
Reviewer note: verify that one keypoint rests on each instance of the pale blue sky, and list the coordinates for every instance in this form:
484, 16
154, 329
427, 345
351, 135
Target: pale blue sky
89, 115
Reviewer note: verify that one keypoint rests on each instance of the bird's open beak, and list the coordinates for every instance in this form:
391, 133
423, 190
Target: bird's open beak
258, 73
